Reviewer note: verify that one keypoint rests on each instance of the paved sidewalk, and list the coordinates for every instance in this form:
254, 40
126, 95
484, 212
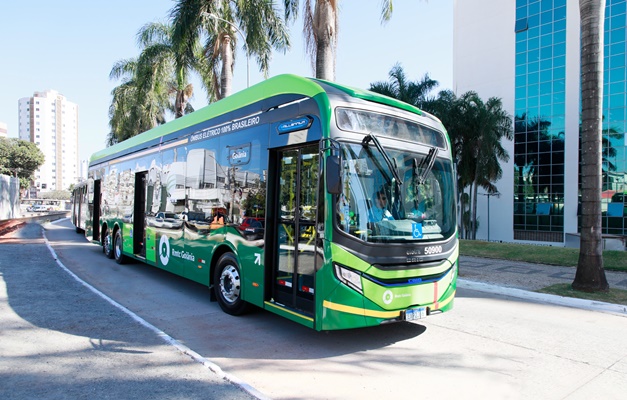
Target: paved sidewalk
525, 276
521, 280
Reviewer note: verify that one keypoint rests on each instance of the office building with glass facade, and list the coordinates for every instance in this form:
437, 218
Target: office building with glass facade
527, 53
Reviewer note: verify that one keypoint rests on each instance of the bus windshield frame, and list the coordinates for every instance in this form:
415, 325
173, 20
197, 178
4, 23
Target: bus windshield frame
375, 208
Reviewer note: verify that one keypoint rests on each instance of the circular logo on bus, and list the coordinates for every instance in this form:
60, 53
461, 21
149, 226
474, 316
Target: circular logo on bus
388, 296
164, 250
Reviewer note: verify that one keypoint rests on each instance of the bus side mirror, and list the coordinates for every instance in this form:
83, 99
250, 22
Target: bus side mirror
332, 174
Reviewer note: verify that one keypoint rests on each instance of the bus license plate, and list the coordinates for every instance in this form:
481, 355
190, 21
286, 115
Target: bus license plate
415, 313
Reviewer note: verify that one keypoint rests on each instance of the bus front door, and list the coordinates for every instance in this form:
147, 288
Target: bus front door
295, 217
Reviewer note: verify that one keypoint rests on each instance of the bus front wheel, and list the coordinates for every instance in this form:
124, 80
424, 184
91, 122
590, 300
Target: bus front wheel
120, 258
107, 245
227, 285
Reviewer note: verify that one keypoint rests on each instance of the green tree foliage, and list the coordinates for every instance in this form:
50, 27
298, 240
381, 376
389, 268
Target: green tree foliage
483, 151
154, 83
476, 129
255, 203
399, 87
216, 22
20, 158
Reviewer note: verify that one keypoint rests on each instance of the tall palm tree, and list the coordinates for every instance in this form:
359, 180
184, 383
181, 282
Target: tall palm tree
215, 22
154, 83
399, 87
320, 27
137, 105
590, 275
156, 39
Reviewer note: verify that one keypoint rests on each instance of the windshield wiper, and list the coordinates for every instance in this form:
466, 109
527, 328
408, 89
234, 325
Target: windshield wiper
425, 165
372, 138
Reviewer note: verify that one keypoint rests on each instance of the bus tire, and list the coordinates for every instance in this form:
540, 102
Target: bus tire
227, 285
119, 256
107, 245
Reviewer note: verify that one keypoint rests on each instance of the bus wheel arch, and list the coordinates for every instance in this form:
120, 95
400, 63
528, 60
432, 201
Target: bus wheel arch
227, 284
217, 253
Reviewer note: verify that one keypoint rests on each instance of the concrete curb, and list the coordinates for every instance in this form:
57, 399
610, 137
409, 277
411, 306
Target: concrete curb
167, 338
543, 297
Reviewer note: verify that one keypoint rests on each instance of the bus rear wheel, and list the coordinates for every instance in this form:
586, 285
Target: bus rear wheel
107, 245
120, 258
227, 285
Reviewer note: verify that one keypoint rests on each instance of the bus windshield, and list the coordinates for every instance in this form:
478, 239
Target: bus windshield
376, 207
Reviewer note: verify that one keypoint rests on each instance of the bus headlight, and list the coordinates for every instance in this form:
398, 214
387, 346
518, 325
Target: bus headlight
349, 278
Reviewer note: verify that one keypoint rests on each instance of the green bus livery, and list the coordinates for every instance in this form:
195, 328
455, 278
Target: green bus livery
331, 206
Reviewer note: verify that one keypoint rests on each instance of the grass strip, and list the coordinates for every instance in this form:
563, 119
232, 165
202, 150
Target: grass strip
550, 255
614, 296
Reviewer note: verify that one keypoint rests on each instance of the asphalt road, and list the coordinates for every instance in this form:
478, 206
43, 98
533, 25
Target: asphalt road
59, 340
489, 347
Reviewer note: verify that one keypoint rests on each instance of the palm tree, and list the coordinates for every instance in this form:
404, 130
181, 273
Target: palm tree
216, 21
493, 124
137, 104
449, 109
154, 83
590, 275
320, 29
476, 129
399, 87
156, 39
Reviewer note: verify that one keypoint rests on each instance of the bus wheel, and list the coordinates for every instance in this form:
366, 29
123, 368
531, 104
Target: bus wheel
227, 285
107, 245
120, 258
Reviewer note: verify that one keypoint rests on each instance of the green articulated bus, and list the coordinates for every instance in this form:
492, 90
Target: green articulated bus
331, 206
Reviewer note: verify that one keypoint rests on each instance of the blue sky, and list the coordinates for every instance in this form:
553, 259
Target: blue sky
70, 46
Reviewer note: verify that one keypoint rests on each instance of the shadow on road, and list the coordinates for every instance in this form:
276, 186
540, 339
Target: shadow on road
42, 293
45, 296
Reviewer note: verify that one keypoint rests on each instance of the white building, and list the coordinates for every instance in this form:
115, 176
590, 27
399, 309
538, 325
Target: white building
527, 52
4, 132
49, 120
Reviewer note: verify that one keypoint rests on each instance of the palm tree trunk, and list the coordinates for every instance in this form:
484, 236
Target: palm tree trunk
226, 76
590, 275
179, 104
325, 22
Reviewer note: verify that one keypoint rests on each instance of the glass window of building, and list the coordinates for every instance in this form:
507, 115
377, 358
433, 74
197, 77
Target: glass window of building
614, 162
539, 121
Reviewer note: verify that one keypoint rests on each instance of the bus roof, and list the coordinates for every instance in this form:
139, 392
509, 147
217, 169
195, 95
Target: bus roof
286, 84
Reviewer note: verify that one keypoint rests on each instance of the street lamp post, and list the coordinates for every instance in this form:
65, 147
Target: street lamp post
488, 195
232, 25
